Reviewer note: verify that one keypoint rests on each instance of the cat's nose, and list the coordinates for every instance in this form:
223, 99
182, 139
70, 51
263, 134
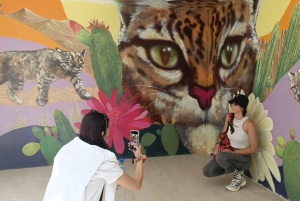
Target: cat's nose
203, 95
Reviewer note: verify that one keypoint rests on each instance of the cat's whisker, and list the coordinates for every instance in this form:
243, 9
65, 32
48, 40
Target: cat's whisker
154, 88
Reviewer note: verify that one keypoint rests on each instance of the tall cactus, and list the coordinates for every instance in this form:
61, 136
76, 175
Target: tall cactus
106, 62
290, 41
257, 75
64, 127
263, 69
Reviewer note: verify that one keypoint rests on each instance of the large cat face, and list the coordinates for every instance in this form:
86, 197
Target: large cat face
71, 61
295, 85
187, 58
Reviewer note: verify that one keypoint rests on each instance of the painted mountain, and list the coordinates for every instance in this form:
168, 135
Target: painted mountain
57, 30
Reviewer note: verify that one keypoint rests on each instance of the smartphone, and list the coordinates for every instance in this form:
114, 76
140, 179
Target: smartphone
134, 138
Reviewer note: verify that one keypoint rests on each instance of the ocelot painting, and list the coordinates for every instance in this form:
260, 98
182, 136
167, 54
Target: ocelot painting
187, 58
45, 66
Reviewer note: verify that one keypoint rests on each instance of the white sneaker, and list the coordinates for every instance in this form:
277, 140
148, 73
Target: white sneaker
236, 184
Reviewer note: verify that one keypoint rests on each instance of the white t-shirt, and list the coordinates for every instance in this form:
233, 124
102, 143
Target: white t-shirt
80, 171
108, 172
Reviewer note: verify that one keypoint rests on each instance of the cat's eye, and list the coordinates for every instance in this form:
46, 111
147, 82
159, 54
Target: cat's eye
229, 54
164, 56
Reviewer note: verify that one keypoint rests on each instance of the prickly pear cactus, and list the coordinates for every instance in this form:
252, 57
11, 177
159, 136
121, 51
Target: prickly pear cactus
169, 137
49, 148
291, 169
290, 154
48, 145
280, 147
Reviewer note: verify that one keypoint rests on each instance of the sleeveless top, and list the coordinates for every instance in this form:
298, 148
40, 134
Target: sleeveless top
239, 139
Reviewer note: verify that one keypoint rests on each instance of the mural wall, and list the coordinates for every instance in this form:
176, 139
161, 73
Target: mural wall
167, 69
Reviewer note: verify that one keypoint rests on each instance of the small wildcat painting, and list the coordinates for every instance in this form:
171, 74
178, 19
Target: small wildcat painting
45, 66
295, 84
186, 59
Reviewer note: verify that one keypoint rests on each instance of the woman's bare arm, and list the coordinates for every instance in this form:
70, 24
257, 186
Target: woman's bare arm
133, 183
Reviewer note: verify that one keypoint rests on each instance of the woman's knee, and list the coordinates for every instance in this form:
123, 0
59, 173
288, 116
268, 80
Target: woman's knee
220, 157
206, 171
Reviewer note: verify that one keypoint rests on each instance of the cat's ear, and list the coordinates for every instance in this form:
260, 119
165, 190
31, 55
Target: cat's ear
291, 75
255, 4
83, 53
128, 8
58, 50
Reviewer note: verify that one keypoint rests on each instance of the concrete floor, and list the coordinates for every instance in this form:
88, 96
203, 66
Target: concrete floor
171, 178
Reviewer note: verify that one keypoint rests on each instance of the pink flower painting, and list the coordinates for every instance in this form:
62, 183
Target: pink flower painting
123, 117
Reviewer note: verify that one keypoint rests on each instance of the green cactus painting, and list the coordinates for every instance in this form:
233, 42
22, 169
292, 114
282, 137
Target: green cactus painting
106, 61
49, 142
169, 138
290, 154
277, 56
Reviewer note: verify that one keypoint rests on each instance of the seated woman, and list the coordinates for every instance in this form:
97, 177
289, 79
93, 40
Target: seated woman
85, 167
244, 141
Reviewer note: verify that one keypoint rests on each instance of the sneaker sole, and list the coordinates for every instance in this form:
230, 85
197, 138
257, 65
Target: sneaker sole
234, 190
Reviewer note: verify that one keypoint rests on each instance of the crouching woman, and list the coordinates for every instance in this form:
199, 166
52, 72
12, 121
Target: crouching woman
243, 141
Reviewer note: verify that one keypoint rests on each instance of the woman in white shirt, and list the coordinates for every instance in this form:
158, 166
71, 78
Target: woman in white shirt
244, 141
85, 167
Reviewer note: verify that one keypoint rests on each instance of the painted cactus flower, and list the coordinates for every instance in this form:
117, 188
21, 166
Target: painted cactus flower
123, 117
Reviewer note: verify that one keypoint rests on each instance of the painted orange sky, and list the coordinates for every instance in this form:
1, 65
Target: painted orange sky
285, 20
52, 9
14, 29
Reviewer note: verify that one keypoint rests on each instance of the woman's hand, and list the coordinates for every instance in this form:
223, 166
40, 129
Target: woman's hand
228, 116
216, 150
226, 150
137, 150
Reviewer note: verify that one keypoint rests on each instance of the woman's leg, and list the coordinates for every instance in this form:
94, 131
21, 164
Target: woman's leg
212, 169
231, 161
234, 164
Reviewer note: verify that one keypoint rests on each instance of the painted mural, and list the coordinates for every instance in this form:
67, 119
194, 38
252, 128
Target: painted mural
165, 68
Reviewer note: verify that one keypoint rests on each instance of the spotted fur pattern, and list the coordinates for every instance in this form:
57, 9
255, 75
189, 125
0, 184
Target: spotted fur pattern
295, 84
187, 58
45, 66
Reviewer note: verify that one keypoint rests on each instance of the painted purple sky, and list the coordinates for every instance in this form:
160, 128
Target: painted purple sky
284, 110
10, 114
13, 44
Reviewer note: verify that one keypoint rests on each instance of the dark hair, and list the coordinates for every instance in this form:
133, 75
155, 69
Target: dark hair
92, 126
244, 112
230, 124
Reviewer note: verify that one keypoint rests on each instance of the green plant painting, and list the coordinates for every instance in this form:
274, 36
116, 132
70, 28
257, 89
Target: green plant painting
51, 139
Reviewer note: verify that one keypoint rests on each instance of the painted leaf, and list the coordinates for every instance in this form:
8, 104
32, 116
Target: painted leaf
280, 142
148, 139
170, 139
292, 131
49, 148
31, 148
38, 132
158, 132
